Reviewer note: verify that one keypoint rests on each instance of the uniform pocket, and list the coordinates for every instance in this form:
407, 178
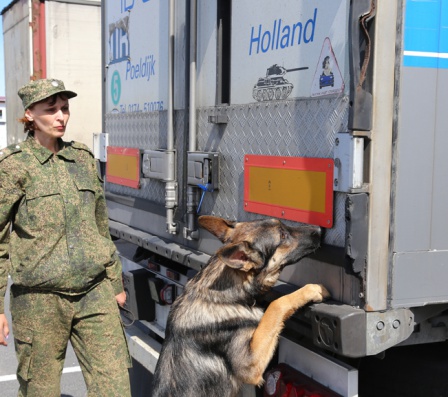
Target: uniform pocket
43, 207
23, 339
86, 191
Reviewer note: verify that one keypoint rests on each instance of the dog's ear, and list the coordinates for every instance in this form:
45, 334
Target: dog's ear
241, 256
220, 227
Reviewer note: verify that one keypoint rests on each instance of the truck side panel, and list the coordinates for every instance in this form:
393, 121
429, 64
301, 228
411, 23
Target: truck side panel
294, 79
421, 214
75, 29
17, 64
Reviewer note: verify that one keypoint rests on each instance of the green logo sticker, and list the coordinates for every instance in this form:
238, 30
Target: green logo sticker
115, 88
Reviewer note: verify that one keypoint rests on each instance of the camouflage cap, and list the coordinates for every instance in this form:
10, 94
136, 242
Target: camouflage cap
38, 90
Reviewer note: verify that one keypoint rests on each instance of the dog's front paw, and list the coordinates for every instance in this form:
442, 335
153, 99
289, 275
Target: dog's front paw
317, 292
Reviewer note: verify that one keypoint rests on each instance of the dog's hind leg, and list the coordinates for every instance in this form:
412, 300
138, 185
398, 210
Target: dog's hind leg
265, 338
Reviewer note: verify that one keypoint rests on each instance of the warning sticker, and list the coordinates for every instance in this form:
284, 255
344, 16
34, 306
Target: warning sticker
327, 78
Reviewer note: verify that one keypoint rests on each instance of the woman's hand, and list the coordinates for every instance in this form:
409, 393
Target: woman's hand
4, 329
121, 298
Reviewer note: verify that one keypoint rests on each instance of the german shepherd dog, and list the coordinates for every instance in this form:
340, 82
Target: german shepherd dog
217, 338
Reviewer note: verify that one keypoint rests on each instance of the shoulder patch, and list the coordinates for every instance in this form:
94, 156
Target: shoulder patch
81, 146
10, 150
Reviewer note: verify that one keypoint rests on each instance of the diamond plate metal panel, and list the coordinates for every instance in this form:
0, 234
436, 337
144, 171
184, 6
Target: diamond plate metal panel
303, 128
145, 131
300, 128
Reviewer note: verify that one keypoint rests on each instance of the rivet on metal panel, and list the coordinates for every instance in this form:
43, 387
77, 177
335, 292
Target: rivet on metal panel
380, 326
396, 324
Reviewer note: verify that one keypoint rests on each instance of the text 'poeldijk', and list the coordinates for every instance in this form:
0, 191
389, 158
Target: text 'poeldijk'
142, 69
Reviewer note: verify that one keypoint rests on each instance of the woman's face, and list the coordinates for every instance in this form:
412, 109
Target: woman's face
50, 117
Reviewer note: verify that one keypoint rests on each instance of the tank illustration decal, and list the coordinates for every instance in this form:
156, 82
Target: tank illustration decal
275, 49
327, 77
274, 85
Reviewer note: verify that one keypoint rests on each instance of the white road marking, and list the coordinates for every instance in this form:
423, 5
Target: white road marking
68, 370
6, 378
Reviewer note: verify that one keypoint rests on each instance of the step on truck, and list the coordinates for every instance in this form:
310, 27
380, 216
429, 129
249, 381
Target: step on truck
356, 145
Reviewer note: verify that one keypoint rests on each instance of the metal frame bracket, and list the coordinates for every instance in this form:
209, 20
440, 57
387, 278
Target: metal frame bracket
203, 169
159, 164
100, 143
349, 163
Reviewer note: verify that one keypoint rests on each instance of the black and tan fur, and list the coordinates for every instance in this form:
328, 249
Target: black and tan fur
217, 338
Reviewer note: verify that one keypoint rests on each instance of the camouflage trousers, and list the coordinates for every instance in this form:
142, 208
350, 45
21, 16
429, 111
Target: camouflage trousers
44, 322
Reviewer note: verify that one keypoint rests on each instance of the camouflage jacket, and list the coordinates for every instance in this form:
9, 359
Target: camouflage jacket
54, 232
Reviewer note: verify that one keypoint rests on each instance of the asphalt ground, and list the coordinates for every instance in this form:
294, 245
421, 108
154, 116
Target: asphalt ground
72, 382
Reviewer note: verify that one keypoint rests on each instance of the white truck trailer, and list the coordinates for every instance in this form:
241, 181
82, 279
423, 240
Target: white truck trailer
58, 39
329, 112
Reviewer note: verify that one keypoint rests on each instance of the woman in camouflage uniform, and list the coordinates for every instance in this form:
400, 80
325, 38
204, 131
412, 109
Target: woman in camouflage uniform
55, 244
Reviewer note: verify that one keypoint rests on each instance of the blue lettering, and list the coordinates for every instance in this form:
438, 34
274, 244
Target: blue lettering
153, 106
255, 39
267, 36
311, 22
280, 36
134, 107
119, 46
284, 42
144, 69
299, 36
127, 5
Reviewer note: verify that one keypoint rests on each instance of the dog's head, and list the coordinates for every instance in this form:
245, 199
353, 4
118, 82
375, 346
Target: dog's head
263, 246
